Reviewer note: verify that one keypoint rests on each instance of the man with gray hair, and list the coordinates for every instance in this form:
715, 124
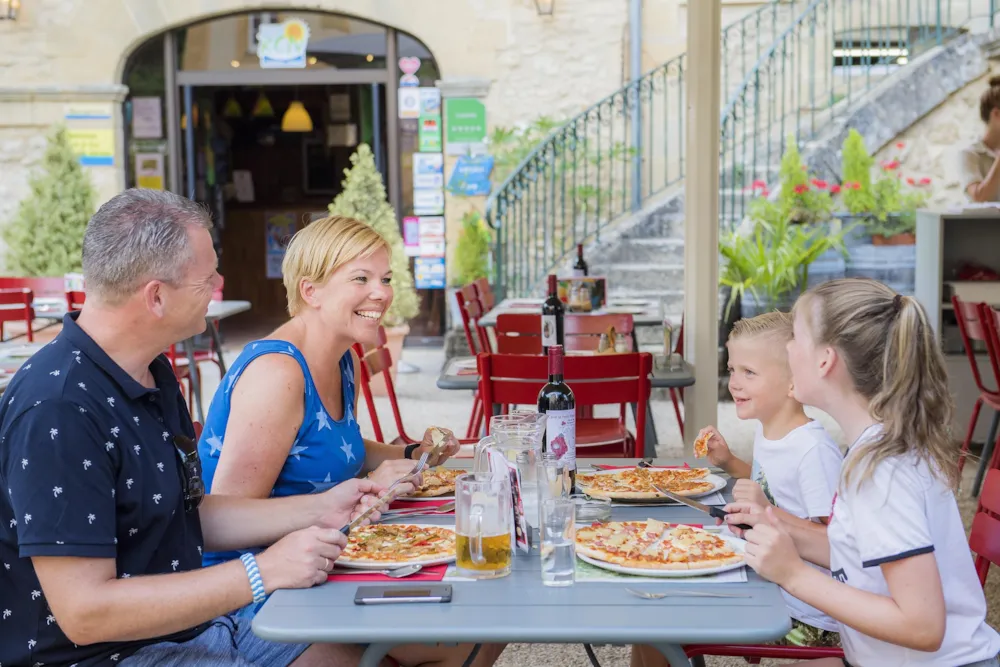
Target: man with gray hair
103, 515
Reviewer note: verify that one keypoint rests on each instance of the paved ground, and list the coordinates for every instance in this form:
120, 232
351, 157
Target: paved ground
423, 404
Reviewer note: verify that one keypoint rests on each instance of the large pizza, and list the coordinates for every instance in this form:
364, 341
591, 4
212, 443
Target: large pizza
382, 544
437, 482
632, 484
654, 545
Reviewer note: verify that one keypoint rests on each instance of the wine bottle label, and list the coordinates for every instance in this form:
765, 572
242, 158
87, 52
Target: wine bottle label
549, 331
560, 436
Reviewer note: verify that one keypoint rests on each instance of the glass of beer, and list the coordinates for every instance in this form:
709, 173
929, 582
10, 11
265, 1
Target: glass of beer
483, 524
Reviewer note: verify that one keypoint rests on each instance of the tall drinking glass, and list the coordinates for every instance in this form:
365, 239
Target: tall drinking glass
483, 521
558, 548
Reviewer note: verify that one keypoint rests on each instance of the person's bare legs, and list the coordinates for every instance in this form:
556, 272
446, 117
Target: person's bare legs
408, 655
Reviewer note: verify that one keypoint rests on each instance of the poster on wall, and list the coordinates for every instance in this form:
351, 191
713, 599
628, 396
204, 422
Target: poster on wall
409, 102
279, 228
430, 101
428, 171
428, 202
283, 45
428, 273
149, 172
147, 118
411, 236
471, 175
432, 240
465, 126
409, 66
429, 134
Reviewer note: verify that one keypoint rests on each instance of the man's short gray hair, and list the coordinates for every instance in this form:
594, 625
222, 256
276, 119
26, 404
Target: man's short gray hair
138, 236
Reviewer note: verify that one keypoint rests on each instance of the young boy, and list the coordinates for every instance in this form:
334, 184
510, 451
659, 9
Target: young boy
796, 465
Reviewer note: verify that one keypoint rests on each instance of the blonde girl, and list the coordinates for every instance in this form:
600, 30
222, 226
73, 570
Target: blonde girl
902, 584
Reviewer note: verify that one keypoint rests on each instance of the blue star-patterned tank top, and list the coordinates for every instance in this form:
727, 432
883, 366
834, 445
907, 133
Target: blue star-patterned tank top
326, 451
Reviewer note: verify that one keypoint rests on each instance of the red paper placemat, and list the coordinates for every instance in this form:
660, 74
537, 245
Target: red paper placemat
432, 573
467, 371
607, 467
405, 504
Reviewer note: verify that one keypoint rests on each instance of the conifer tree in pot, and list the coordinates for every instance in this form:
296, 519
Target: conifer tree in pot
364, 198
45, 236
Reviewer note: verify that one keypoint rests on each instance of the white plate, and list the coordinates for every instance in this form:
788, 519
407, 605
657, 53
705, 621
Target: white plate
718, 483
388, 565
738, 545
466, 363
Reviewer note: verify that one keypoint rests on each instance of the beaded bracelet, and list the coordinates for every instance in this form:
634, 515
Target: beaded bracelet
253, 574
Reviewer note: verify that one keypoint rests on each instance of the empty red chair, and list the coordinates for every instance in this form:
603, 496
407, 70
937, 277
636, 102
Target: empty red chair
971, 328
75, 300
15, 306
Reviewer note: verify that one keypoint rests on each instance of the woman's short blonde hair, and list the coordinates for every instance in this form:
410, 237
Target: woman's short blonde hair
318, 250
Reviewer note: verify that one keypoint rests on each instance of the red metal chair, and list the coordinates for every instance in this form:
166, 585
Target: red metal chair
970, 326
984, 540
375, 360
677, 395
485, 292
75, 300
15, 306
514, 379
583, 332
520, 333
478, 341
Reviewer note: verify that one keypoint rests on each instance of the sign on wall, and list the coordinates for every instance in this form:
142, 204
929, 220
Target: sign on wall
428, 272
471, 175
283, 45
465, 126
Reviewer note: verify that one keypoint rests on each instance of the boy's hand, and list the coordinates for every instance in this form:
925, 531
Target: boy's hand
718, 450
749, 491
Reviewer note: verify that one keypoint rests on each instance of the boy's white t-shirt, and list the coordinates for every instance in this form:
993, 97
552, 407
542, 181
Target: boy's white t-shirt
904, 511
799, 474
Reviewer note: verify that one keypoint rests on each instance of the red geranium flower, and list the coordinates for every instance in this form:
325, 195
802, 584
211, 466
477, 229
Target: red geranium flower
900, 145
821, 184
925, 181
800, 189
758, 185
834, 189
890, 165
911, 180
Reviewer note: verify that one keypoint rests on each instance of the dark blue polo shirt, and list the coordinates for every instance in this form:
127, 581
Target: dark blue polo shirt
88, 468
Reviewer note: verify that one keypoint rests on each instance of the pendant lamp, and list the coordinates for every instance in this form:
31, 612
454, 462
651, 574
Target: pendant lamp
296, 119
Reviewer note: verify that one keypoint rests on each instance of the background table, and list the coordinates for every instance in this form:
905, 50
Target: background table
217, 310
648, 313
450, 378
518, 608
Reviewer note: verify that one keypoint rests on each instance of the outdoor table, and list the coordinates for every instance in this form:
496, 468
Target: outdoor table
217, 310
451, 377
519, 609
644, 312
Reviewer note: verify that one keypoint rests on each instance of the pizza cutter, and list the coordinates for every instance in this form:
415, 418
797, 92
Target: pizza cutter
716, 512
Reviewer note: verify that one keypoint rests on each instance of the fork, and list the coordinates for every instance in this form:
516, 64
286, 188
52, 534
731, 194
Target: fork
646, 595
429, 511
417, 468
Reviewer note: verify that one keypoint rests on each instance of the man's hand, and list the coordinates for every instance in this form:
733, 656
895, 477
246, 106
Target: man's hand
718, 449
770, 550
393, 469
440, 442
301, 559
749, 491
344, 502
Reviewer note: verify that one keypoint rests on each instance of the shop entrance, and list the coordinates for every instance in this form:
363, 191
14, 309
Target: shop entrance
262, 136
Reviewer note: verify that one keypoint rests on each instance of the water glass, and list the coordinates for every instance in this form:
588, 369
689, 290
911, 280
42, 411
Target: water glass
558, 547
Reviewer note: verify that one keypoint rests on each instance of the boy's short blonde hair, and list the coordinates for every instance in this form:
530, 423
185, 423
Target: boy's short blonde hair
318, 250
775, 324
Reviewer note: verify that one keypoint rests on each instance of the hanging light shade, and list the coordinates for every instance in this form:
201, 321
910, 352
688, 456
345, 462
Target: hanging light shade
232, 108
262, 107
296, 119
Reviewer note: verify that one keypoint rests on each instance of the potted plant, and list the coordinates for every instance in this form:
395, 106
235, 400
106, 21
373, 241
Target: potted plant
856, 193
363, 198
471, 260
895, 210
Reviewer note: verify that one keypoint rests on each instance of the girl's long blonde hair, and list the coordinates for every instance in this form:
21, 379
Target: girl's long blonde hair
895, 360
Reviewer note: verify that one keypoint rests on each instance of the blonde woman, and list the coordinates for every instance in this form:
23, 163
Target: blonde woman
282, 421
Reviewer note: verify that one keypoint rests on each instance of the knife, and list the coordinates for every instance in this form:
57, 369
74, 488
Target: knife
716, 512
389, 496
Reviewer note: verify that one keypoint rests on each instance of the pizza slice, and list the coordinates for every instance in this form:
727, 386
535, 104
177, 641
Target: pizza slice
701, 446
619, 541
437, 482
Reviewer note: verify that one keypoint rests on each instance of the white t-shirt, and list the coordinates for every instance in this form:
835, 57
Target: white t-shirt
904, 511
799, 474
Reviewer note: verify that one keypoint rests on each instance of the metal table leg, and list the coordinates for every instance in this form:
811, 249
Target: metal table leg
373, 654
988, 446
194, 378
674, 654
213, 331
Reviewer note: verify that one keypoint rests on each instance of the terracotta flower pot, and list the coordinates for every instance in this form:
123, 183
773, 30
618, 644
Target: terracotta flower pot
906, 238
394, 341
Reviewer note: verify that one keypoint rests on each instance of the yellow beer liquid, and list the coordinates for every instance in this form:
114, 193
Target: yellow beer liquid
496, 553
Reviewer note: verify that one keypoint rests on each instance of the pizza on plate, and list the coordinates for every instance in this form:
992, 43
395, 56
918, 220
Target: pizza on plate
632, 484
437, 482
397, 543
654, 545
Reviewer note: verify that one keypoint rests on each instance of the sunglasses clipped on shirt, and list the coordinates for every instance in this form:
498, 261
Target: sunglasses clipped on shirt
194, 486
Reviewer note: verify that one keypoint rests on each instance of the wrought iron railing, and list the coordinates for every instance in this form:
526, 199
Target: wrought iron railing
789, 67
835, 52
611, 158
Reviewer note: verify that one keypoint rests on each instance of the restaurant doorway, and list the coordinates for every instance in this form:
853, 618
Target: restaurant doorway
262, 138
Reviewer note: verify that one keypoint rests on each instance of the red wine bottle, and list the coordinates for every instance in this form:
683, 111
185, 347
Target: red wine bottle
552, 317
557, 402
580, 269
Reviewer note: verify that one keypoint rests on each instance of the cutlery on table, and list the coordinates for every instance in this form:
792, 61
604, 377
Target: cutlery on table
389, 496
420, 511
716, 512
646, 595
395, 573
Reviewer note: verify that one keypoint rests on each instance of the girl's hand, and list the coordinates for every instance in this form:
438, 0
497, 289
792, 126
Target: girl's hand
770, 550
393, 469
749, 491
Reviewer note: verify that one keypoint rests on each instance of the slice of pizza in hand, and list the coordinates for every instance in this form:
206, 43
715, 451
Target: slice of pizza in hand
701, 446
438, 438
